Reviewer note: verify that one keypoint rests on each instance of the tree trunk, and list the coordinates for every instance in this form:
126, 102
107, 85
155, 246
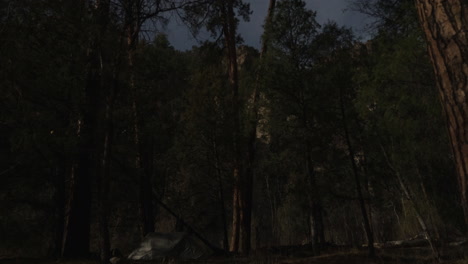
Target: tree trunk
144, 194
106, 85
59, 178
318, 234
103, 179
445, 24
315, 203
75, 243
368, 188
221, 196
77, 224
271, 198
239, 217
251, 141
77, 212
365, 216
145, 204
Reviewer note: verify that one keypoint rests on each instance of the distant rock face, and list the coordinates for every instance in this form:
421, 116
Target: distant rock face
246, 55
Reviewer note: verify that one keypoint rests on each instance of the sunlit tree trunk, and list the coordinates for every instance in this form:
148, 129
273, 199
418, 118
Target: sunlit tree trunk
445, 24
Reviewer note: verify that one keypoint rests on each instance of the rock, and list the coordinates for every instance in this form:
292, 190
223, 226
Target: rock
114, 260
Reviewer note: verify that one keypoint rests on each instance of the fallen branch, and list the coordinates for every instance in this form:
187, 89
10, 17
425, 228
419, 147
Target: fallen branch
190, 228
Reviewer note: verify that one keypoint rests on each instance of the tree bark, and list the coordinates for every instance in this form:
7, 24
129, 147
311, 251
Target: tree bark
318, 233
272, 198
77, 212
365, 216
238, 207
145, 189
368, 188
251, 141
94, 132
60, 199
106, 84
315, 203
103, 179
77, 225
445, 24
221, 195
75, 242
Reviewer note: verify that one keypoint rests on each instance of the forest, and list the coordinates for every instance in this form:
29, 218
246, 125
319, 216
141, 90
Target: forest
316, 147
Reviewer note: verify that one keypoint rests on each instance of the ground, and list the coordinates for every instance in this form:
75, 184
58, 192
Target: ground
417, 255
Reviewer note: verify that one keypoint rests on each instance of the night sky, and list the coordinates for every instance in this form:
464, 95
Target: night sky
334, 10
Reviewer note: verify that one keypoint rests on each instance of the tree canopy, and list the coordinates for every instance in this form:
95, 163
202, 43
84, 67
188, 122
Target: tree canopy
319, 139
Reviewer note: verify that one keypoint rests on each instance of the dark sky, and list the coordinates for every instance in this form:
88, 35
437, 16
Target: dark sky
335, 10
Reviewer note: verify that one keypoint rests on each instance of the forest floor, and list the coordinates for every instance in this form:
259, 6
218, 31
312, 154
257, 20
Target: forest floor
331, 259
353, 256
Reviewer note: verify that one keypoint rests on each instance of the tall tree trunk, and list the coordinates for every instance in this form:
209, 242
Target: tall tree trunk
144, 181
445, 24
238, 206
103, 179
318, 234
367, 185
94, 133
60, 198
75, 243
272, 198
77, 212
106, 85
221, 196
315, 203
77, 224
251, 141
365, 216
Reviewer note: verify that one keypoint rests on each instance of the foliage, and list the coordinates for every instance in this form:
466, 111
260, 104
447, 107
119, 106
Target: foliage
183, 106
209, 16
403, 122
